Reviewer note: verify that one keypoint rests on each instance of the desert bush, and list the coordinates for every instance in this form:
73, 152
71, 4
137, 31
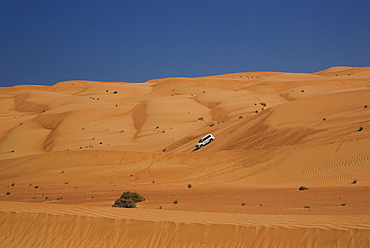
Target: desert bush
128, 200
175, 201
360, 129
343, 204
354, 181
8, 193
303, 188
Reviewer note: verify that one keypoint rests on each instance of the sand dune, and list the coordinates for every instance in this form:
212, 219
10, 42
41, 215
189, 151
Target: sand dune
69, 150
71, 226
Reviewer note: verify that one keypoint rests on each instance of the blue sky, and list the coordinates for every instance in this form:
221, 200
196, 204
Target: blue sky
43, 42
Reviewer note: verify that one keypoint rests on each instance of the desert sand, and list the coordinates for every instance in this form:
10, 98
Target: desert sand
68, 151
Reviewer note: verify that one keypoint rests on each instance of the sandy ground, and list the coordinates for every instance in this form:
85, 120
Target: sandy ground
68, 151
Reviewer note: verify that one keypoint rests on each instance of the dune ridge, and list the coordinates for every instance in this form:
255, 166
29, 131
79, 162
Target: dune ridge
68, 151
153, 228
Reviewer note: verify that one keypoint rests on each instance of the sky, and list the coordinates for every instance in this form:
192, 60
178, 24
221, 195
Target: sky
44, 42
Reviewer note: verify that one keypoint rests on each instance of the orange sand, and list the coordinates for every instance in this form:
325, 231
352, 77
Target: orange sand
69, 150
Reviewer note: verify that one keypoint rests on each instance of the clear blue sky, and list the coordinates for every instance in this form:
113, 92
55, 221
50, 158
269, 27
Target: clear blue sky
43, 42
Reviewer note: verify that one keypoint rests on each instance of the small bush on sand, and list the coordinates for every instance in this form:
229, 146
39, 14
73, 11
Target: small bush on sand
175, 201
128, 200
354, 181
360, 129
303, 188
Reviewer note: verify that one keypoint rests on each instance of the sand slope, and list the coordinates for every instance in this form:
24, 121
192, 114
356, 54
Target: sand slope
71, 226
67, 151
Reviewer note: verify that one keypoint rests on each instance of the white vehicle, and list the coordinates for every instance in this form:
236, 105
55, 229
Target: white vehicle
205, 140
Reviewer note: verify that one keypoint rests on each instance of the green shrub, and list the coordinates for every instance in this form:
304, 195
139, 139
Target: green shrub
128, 200
360, 129
175, 201
8, 193
303, 188
354, 181
343, 204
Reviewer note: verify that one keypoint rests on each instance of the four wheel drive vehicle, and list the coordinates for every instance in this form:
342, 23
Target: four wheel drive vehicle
205, 140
